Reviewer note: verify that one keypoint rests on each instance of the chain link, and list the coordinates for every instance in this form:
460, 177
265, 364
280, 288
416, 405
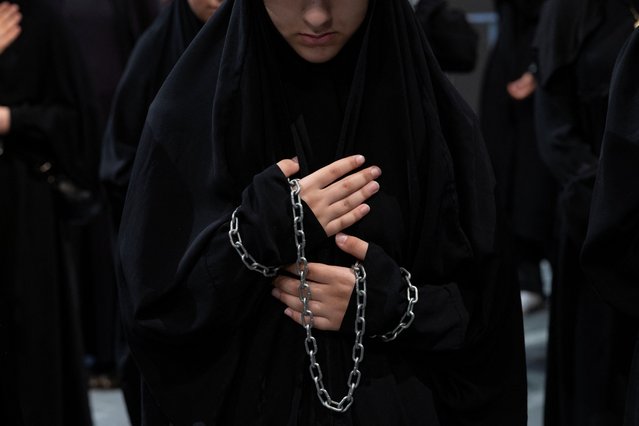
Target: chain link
310, 343
412, 293
249, 261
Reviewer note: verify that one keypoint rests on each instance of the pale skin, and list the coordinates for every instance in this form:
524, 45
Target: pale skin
10, 30
204, 9
317, 30
523, 87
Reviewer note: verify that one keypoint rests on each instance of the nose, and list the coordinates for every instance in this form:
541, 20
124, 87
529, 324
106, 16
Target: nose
317, 15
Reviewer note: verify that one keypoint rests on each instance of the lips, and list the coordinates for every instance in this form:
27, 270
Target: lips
317, 39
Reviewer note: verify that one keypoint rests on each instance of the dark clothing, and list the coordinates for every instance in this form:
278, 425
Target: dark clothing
589, 344
105, 31
48, 93
151, 61
525, 187
453, 40
205, 330
610, 254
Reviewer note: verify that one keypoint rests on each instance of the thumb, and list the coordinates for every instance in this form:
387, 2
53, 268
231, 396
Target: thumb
352, 245
289, 166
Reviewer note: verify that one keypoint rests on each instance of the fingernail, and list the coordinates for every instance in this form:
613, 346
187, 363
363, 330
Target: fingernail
340, 238
288, 312
365, 208
376, 172
360, 159
295, 159
275, 293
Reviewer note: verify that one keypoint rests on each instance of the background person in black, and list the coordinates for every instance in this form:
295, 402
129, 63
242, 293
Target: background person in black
151, 61
589, 344
211, 341
610, 254
453, 40
105, 31
45, 130
526, 188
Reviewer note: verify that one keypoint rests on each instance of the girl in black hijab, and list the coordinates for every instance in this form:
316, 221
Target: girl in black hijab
589, 344
44, 151
611, 254
326, 82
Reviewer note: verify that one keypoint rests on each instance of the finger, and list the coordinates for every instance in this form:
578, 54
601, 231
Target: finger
294, 302
319, 323
353, 201
352, 245
289, 167
334, 171
347, 220
351, 184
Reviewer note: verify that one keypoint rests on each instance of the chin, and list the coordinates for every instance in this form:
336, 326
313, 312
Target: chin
317, 56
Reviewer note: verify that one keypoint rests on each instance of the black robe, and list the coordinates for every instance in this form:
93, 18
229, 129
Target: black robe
453, 39
151, 61
212, 344
590, 345
43, 380
526, 188
610, 254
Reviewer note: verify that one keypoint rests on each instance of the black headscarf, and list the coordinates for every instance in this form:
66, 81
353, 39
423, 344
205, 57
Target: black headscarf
198, 327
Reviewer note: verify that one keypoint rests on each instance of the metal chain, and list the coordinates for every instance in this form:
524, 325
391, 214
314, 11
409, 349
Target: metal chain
310, 343
249, 261
412, 293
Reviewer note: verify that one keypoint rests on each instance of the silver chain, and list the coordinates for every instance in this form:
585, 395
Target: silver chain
249, 261
310, 343
412, 293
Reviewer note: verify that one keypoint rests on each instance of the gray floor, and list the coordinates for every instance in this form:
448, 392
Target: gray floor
108, 406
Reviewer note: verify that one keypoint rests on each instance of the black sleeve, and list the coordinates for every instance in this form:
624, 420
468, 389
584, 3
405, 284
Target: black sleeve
453, 39
440, 320
562, 148
209, 273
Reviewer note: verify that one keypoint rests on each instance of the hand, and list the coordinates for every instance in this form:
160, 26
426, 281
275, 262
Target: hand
331, 288
10, 29
337, 201
5, 120
523, 87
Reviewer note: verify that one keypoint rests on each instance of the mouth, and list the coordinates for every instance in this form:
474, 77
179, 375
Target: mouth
317, 39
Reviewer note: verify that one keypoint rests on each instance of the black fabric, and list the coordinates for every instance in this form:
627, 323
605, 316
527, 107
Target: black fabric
589, 344
453, 39
48, 94
611, 251
204, 329
526, 189
151, 61
610, 254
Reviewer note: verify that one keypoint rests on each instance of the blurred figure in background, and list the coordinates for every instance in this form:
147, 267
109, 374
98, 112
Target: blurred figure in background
151, 61
589, 347
453, 40
106, 31
46, 170
526, 188
611, 251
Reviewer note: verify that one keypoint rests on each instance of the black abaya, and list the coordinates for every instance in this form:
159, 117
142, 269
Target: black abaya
45, 88
589, 344
526, 188
204, 329
610, 254
453, 39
